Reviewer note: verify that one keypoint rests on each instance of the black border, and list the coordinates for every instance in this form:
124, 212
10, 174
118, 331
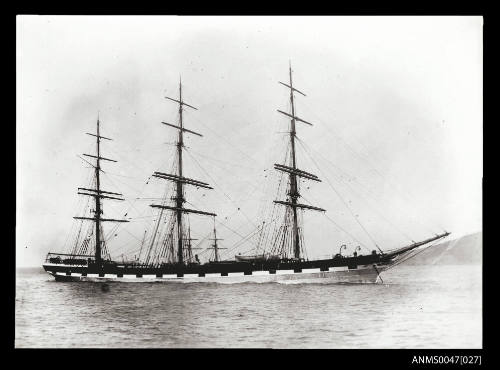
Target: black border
234, 358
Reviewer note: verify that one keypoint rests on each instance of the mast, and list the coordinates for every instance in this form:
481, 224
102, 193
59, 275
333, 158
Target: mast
215, 246
97, 200
294, 194
98, 194
180, 196
293, 171
180, 180
189, 245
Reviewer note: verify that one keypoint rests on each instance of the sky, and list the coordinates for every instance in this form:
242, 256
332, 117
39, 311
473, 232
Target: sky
395, 102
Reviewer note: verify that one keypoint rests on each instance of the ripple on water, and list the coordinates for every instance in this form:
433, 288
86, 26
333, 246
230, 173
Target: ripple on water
440, 307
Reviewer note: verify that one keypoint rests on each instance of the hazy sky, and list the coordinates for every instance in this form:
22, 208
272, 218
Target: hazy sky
396, 104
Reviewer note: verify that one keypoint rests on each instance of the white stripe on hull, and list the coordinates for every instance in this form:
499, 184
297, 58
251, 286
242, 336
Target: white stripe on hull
363, 274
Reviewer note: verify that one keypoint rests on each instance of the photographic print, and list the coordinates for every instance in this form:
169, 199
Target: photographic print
249, 182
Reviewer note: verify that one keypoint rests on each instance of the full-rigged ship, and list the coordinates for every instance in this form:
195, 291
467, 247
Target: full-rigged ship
169, 258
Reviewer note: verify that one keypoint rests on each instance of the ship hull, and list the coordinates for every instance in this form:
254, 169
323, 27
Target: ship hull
360, 269
361, 275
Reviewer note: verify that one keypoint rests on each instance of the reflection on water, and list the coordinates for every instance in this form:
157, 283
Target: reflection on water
416, 307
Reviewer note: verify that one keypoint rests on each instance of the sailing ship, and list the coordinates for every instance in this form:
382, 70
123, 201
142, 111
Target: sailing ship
169, 256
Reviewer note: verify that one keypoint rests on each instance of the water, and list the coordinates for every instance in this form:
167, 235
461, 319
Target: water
416, 307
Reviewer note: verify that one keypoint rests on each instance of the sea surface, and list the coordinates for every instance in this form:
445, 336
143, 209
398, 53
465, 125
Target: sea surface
415, 307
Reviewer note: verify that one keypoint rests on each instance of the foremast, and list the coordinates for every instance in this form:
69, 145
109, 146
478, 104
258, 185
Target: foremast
98, 194
293, 194
293, 171
180, 180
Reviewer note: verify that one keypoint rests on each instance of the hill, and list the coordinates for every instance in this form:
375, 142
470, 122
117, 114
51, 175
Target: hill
462, 251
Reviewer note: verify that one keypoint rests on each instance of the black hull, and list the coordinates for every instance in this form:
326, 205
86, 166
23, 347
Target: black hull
223, 268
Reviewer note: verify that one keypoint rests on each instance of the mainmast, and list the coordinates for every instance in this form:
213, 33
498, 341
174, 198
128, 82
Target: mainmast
179, 178
293, 171
180, 191
97, 193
